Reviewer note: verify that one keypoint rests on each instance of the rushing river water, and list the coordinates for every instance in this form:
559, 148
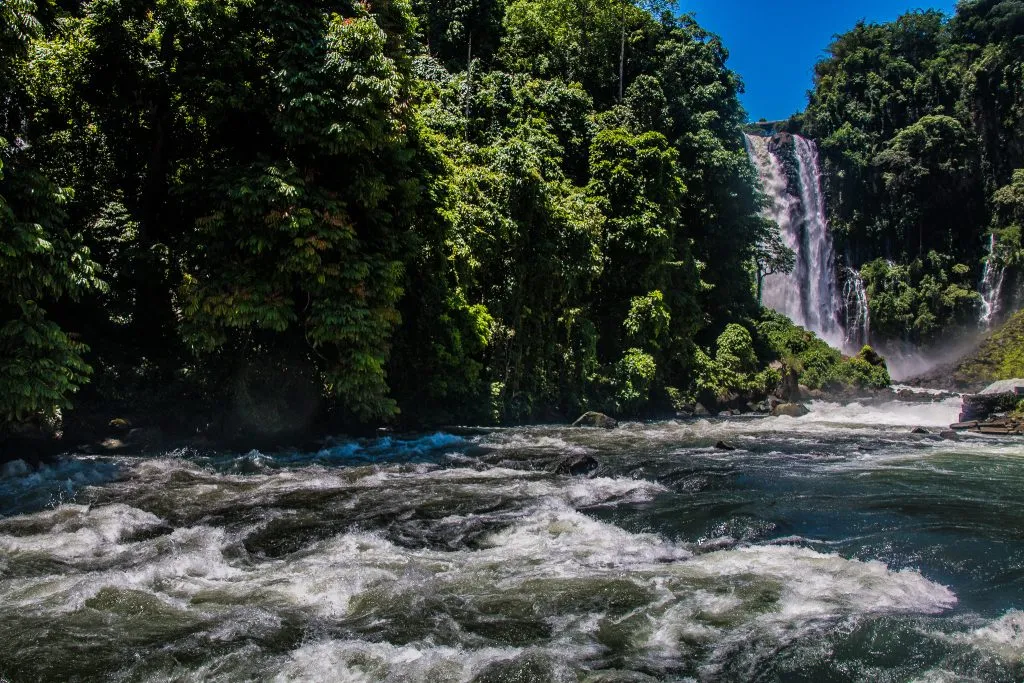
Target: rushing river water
833, 547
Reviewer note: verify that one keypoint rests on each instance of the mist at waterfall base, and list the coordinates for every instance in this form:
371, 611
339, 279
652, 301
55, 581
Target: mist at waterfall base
833, 304
837, 546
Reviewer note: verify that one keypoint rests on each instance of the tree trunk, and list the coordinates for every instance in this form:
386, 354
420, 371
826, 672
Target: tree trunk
469, 76
622, 56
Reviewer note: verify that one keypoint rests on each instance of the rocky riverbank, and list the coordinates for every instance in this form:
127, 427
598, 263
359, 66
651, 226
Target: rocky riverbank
141, 433
996, 410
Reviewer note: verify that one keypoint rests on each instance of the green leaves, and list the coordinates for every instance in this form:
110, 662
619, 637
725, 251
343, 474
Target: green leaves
316, 185
922, 299
919, 122
40, 262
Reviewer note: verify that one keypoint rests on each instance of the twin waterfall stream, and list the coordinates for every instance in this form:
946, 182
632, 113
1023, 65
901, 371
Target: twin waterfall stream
813, 296
830, 302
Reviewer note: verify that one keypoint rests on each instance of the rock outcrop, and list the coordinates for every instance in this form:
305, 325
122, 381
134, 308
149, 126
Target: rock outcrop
594, 419
1001, 397
790, 410
577, 465
995, 410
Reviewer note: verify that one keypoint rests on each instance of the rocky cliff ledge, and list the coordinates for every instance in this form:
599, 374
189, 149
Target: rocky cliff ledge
996, 410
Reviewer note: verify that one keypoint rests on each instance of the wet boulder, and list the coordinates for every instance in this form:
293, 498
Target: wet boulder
790, 410
919, 430
594, 419
723, 446
1000, 397
577, 465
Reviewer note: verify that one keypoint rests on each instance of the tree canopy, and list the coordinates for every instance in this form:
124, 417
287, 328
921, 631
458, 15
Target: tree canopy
450, 210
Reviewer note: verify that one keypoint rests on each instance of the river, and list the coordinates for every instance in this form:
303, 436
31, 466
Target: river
833, 547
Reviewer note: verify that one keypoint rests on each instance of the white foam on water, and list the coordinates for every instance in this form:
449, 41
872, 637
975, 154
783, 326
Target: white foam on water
363, 662
945, 676
546, 559
78, 531
890, 414
824, 419
1003, 637
924, 391
704, 599
781, 593
538, 440
817, 585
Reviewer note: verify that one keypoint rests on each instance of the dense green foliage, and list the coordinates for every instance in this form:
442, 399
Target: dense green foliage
753, 359
41, 259
458, 210
819, 366
921, 125
921, 297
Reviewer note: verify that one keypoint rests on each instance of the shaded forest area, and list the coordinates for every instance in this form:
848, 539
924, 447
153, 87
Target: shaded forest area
266, 211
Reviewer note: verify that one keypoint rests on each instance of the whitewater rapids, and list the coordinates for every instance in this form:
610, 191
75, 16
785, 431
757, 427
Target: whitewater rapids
836, 546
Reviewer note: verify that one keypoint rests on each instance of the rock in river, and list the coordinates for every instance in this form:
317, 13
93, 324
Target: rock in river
593, 419
577, 465
790, 409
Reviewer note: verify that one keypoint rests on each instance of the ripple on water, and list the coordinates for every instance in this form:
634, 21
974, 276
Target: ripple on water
549, 591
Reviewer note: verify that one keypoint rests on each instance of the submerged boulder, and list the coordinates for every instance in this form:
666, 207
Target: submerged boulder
577, 465
723, 446
594, 419
790, 410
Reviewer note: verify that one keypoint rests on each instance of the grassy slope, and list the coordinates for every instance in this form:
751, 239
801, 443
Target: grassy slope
1000, 356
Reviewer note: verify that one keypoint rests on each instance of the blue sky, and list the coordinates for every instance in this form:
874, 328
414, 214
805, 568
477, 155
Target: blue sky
774, 44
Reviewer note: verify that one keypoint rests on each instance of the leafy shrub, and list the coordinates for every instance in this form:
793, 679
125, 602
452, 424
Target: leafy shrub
736, 349
819, 365
634, 376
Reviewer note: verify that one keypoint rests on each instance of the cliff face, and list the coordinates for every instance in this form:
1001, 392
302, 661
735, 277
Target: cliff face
1000, 356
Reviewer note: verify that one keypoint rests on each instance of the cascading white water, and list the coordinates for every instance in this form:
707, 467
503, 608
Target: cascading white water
858, 315
992, 286
810, 294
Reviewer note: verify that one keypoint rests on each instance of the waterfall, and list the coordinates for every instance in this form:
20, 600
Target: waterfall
858, 315
992, 286
791, 177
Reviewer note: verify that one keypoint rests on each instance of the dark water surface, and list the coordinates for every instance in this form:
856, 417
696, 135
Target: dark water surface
834, 547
